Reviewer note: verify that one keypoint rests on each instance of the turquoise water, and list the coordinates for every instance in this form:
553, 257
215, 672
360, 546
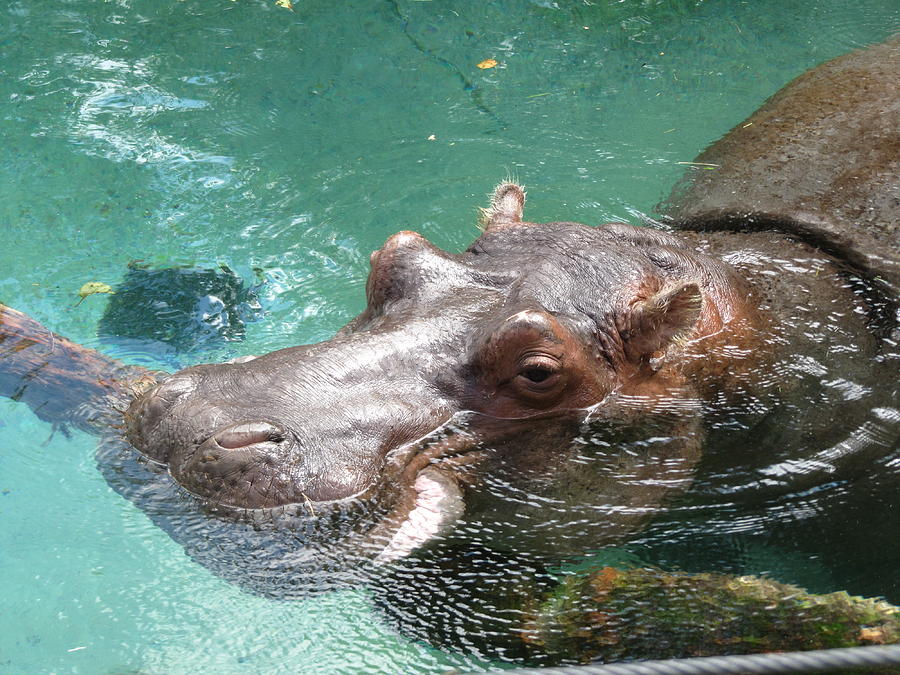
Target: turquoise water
211, 132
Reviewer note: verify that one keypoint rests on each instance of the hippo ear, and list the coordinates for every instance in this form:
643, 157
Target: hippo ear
507, 203
667, 317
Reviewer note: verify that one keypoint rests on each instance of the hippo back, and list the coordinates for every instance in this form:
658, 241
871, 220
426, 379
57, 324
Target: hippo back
820, 161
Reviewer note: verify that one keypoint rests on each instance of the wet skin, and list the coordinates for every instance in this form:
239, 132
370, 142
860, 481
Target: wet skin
628, 326
616, 314
550, 323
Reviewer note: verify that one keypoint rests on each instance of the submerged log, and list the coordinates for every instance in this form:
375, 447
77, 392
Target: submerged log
61, 381
613, 614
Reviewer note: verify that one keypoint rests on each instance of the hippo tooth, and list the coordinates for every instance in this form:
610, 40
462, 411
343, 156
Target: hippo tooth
439, 504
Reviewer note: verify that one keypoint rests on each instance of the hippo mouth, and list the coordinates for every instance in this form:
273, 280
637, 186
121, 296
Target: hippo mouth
431, 474
416, 497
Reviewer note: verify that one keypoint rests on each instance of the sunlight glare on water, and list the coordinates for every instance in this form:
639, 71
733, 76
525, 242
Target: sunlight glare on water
287, 145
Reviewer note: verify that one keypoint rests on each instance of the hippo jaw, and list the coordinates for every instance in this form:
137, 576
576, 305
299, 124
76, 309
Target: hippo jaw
251, 468
496, 330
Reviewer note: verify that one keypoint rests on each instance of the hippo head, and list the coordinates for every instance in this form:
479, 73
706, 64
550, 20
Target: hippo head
531, 322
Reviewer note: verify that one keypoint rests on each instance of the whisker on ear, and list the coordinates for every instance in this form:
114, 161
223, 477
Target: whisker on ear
507, 203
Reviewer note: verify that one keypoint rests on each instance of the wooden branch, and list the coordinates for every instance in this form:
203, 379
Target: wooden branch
63, 382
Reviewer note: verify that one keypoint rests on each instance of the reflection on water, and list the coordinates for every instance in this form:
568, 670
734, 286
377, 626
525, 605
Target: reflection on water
801, 485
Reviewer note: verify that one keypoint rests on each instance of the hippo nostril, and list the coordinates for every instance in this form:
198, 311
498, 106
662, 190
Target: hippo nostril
248, 433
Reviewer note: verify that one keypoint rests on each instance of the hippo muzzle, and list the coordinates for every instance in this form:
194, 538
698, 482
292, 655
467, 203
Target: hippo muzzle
300, 447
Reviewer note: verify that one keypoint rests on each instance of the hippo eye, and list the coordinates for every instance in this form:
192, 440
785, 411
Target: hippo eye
536, 374
539, 373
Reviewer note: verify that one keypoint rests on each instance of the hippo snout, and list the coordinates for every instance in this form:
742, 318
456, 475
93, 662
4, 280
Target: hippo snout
147, 413
225, 454
210, 451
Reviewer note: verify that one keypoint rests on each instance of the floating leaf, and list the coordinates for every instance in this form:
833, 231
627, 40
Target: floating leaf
487, 63
285, 3
92, 287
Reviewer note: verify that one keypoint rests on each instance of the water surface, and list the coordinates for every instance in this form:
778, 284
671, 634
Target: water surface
288, 145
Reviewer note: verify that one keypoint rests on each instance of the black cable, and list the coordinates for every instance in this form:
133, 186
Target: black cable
816, 661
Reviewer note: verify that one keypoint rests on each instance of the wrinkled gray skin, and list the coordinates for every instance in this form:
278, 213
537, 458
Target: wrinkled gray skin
536, 321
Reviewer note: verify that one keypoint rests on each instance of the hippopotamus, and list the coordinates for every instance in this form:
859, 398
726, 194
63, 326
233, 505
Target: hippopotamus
554, 386
533, 327
795, 213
